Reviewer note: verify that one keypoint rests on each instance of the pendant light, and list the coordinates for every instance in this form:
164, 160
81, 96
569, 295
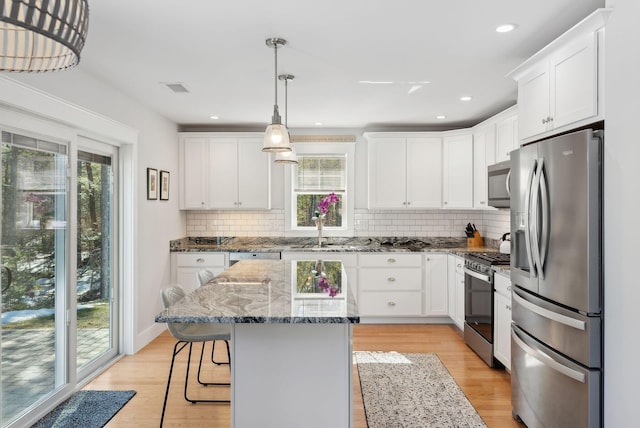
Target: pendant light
286, 157
276, 137
42, 35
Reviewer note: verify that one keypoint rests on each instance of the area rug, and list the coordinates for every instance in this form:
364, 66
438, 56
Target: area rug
412, 390
86, 409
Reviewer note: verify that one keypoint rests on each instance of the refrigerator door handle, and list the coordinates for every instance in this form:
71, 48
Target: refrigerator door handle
527, 230
547, 360
535, 240
544, 237
546, 313
508, 183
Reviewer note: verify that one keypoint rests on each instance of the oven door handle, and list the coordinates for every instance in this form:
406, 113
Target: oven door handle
477, 275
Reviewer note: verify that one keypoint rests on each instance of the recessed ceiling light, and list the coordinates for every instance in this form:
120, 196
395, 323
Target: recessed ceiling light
214, 117
441, 116
505, 28
465, 98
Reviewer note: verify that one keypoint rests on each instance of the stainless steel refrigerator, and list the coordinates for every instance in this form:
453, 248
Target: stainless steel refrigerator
557, 281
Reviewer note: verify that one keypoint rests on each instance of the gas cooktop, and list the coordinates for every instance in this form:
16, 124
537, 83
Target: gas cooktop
489, 258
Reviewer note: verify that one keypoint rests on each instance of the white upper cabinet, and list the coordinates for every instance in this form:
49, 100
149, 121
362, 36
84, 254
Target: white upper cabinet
193, 155
224, 172
506, 136
560, 88
457, 172
405, 172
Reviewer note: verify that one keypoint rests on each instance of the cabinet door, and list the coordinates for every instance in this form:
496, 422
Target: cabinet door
484, 154
451, 286
506, 137
574, 83
459, 320
194, 171
223, 176
533, 102
424, 173
436, 303
502, 326
254, 177
387, 173
458, 171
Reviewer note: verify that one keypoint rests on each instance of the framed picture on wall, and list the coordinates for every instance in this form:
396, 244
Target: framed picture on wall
164, 185
152, 183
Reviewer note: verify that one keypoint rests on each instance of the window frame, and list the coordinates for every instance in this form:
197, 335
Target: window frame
322, 149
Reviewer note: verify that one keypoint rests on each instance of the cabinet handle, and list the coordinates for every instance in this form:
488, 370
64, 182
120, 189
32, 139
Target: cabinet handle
390, 260
508, 307
239, 203
200, 260
404, 203
391, 279
550, 119
391, 303
482, 202
445, 202
544, 120
408, 203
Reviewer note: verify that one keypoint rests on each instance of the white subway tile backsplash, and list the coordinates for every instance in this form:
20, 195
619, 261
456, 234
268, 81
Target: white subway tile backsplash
432, 223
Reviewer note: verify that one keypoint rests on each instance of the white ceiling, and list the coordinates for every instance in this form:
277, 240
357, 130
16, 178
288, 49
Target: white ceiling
217, 50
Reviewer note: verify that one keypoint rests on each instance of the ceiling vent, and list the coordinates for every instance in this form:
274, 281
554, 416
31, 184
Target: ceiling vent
177, 88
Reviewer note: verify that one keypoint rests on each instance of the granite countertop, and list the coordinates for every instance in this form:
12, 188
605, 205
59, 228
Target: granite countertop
338, 245
262, 291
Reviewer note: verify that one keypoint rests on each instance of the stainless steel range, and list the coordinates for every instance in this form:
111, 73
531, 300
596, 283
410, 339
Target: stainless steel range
478, 302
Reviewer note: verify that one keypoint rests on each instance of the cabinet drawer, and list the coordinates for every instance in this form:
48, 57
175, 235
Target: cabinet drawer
391, 259
384, 279
390, 304
502, 285
200, 259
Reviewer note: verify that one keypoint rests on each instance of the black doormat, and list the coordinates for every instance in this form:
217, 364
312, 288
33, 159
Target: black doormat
87, 409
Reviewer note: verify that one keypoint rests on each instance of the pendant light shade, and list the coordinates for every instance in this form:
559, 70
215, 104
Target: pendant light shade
276, 137
286, 157
42, 35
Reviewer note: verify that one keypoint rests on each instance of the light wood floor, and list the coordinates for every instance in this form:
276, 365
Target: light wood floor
146, 372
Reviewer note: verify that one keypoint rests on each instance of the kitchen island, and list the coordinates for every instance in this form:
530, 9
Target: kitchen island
291, 342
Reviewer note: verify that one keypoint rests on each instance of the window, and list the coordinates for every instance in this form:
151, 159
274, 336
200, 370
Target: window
315, 177
322, 168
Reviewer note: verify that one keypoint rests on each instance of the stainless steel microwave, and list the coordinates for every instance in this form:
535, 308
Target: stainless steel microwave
499, 194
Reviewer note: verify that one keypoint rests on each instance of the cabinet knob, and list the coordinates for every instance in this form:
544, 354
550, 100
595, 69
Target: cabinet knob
239, 203
202, 203
508, 307
391, 260
391, 279
445, 202
391, 303
200, 260
544, 120
404, 203
408, 203
509, 288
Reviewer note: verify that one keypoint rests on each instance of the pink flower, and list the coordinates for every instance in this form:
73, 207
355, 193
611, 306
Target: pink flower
333, 291
327, 201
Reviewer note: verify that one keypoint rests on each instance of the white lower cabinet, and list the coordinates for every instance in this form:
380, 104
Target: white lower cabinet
435, 285
502, 319
184, 267
455, 280
390, 285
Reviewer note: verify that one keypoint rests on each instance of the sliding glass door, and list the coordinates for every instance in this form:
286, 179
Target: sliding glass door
95, 264
34, 255
58, 264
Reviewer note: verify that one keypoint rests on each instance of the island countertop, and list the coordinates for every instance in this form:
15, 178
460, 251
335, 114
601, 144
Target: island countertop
265, 291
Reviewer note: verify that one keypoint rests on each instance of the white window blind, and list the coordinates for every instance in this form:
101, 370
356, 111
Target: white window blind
320, 174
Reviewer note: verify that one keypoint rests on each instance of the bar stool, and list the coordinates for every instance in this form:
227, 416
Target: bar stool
187, 334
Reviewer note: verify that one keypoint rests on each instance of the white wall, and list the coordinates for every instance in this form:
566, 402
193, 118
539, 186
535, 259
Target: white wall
158, 222
622, 205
